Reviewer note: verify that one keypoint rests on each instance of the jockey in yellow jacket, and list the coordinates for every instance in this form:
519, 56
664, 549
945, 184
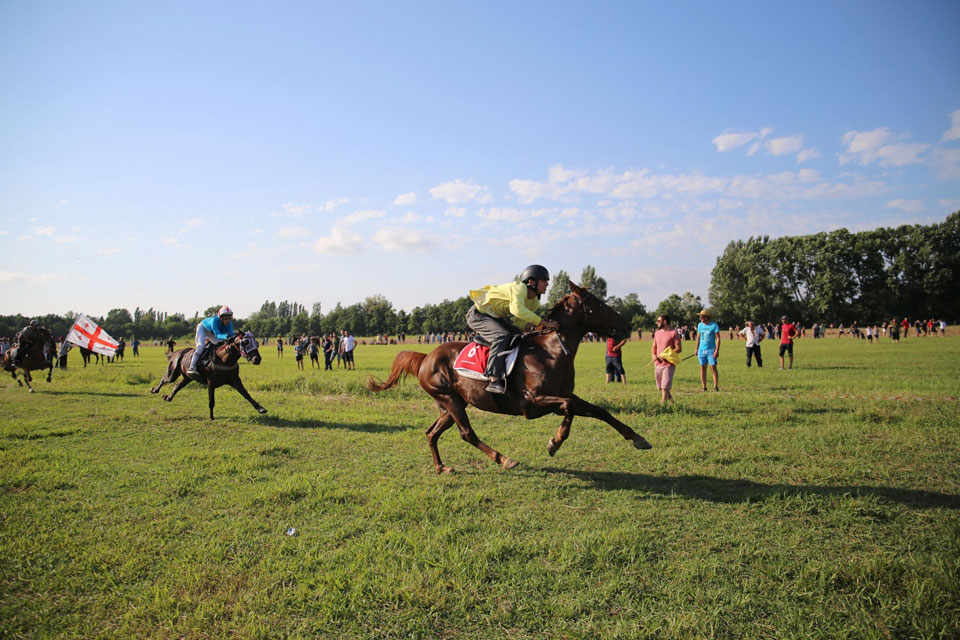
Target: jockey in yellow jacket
500, 312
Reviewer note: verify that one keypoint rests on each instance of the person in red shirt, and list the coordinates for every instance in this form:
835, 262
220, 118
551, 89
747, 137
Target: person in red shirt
615, 370
787, 333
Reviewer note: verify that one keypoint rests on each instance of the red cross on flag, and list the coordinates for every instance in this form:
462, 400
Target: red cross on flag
85, 333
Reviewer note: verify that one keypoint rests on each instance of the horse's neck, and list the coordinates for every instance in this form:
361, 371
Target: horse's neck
227, 355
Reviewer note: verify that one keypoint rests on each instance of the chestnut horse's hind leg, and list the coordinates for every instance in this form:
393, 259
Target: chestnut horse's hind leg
441, 424
457, 410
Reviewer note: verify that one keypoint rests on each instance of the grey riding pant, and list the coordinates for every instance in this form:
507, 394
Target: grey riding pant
499, 334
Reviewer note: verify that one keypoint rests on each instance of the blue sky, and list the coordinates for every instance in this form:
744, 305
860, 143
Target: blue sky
182, 154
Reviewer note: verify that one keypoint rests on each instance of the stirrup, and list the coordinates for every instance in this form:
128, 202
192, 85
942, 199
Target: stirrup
497, 386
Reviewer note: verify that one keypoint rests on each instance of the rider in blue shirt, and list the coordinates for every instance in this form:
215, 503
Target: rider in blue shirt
216, 329
708, 349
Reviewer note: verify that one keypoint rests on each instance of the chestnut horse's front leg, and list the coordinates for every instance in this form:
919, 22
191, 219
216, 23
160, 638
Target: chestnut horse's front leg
576, 406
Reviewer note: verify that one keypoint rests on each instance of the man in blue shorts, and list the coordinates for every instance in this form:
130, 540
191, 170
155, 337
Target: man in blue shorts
708, 349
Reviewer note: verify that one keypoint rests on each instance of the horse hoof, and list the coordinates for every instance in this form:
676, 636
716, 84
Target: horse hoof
31, 389
167, 398
508, 463
262, 410
641, 443
552, 446
445, 469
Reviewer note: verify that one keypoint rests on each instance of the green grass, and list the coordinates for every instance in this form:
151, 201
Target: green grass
822, 502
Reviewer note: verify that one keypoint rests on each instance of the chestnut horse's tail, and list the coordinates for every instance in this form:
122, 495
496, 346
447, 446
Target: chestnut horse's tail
406, 363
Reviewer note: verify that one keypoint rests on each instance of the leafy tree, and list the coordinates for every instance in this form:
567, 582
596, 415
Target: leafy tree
596, 284
559, 288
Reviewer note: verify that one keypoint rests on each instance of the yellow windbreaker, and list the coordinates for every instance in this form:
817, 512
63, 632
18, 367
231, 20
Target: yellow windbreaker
507, 301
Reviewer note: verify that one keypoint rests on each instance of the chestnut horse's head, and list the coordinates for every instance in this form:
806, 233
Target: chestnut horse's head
590, 313
249, 347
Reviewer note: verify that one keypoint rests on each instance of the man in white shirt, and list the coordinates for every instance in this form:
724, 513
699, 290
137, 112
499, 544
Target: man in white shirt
754, 336
347, 345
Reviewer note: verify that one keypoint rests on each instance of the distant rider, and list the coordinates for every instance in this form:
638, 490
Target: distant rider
502, 311
27, 336
216, 329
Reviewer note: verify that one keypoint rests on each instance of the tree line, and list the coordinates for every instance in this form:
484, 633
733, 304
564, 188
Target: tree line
830, 277
837, 276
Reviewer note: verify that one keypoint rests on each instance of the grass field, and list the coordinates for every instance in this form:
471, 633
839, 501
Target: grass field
822, 502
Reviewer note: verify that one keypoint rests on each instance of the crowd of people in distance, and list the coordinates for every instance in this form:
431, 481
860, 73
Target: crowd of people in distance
333, 347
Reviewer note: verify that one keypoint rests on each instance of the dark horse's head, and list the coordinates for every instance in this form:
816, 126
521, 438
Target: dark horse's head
586, 311
248, 346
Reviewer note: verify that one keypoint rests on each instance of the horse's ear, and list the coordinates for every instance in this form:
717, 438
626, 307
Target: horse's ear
577, 291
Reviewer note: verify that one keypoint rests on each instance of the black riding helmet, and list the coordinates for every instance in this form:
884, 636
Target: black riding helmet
534, 271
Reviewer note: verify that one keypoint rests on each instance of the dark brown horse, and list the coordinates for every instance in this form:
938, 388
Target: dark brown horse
34, 359
541, 382
223, 368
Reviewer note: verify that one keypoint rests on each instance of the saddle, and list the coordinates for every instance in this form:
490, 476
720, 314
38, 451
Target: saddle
471, 362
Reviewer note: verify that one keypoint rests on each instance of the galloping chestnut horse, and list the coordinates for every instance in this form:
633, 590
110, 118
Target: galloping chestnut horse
223, 368
34, 359
541, 382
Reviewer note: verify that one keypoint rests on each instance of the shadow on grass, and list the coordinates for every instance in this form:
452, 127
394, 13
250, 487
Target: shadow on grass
107, 394
727, 491
367, 427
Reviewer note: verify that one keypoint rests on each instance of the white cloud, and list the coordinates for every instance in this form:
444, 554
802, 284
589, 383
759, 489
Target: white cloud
458, 191
947, 162
807, 154
455, 212
909, 206
169, 242
728, 141
361, 216
107, 252
18, 277
953, 204
297, 210
330, 205
871, 146
954, 131
290, 232
784, 145
340, 242
43, 231
65, 239
405, 199
403, 239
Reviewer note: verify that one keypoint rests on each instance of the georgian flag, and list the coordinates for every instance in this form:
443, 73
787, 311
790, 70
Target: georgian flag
85, 333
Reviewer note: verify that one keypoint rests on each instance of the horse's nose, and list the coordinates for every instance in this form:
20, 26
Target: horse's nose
256, 360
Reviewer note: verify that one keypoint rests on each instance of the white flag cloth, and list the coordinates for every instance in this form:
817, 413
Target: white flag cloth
85, 333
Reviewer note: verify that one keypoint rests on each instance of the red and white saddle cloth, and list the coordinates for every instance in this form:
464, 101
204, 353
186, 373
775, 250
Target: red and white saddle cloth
472, 361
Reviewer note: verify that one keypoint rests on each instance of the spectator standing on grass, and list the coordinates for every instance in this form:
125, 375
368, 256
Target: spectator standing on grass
135, 345
753, 336
170, 344
943, 328
615, 370
347, 344
708, 349
314, 352
299, 347
62, 354
787, 333
894, 331
905, 328
279, 347
663, 370
327, 353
